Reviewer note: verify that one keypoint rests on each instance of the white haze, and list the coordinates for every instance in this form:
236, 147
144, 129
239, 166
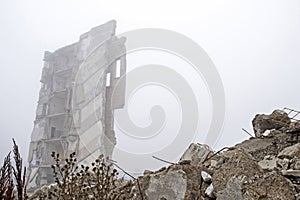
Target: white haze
254, 44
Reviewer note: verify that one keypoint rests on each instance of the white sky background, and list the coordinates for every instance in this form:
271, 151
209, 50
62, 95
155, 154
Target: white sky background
254, 44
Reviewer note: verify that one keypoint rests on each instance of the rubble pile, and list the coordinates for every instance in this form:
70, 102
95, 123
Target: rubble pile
266, 166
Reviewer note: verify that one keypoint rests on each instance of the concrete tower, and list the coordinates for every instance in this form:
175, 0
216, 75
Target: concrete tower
75, 106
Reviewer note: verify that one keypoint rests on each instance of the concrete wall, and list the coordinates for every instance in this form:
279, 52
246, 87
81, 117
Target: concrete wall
75, 107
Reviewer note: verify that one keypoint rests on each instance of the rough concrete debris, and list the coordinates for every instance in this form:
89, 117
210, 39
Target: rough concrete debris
196, 153
274, 132
258, 168
276, 120
171, 185
268, 163
260, 147
213, 163
206, 177
239, 164
233, 190
290, 152
146, 172
294, 125
295, 164
291, 172
271, 133
267, 133
283, 163
269, 186
209, 191
179, 181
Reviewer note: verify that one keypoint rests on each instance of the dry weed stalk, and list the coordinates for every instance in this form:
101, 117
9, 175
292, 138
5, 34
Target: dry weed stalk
9, 174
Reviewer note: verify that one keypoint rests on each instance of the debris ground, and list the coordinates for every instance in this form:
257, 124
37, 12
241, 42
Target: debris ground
266, 166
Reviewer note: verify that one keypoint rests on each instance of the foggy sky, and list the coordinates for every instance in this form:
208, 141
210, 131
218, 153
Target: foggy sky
254, 44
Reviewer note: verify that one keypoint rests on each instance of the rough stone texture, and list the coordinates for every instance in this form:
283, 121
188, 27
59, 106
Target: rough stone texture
269, 163
233, 190
196, 153
179, 181
190, 179
269, 186
294, 125
206, 177
241, 162
255, 182
295, 163
276, 120
171, 185
261, 147
75, 106
209, 191
291, 172
283, 163
290, 152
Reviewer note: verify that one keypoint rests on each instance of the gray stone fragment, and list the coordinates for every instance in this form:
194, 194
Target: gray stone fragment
206, 177
209, 190
269, 163
171, 185
290, 152
283, 163
276, 120
232, 191
291, 172
296, 164
196, 153
146, 172
213, 163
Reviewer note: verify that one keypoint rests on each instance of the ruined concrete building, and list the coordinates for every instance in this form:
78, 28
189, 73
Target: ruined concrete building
75, 106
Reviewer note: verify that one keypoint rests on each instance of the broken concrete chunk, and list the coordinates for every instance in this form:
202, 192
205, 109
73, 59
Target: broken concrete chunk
213, 163
233, 190
238, 165
146, 172
291, 172
196, 153
269, 186
296, 164
283, 163
268, 163
209, 191
294, 126
290, 152
274, 132
267, 133
206, 177
171, 185
178, 181
276, 120
271, 133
